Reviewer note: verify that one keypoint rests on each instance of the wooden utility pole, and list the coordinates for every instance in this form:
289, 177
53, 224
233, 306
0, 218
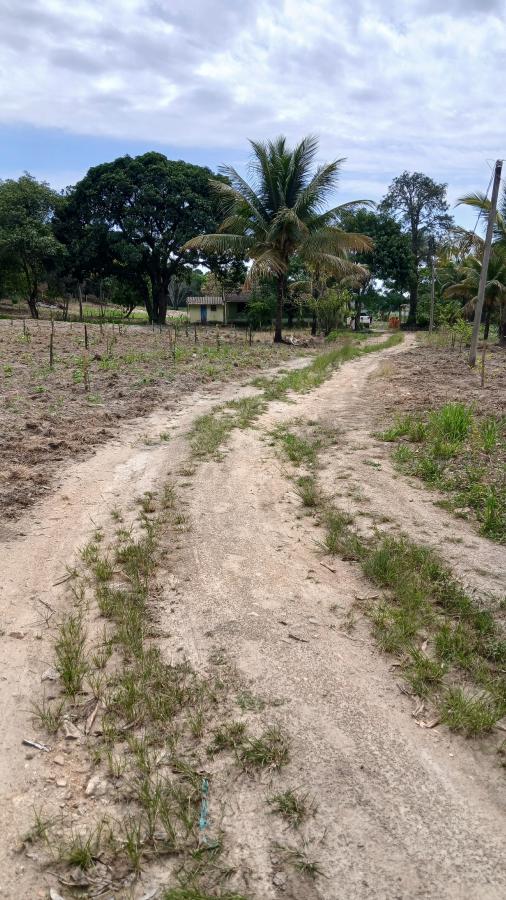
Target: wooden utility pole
484, 265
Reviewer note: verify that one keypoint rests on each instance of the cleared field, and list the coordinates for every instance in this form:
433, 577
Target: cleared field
53, 413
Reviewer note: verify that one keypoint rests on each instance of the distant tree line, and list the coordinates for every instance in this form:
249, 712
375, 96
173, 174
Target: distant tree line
148, 231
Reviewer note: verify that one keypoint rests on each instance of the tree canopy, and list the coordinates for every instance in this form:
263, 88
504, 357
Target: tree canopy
421, 206
28, 246
134, 215
281, 213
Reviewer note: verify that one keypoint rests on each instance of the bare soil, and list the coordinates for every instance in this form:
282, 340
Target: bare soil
402, 811
49, 418
426, 377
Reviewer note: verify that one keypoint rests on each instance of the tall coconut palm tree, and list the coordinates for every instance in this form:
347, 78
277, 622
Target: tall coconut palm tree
481, 202
467, 282
280, 213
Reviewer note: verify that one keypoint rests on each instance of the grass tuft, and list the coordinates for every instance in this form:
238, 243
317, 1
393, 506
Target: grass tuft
471, 715
293, 807
270, 751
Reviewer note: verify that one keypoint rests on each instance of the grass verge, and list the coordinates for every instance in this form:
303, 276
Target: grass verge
451, 646
211, 430
457, 452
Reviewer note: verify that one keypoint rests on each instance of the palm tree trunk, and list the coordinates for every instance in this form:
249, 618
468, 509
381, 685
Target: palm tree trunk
488, 311
280, 291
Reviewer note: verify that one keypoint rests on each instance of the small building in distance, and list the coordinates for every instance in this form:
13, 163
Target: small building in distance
224, 309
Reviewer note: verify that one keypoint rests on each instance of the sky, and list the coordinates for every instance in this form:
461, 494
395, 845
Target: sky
389, 84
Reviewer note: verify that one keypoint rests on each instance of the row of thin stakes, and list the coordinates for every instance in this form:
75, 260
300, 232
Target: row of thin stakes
86, 361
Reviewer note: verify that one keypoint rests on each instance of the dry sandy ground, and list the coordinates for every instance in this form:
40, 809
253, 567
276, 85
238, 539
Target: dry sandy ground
402, 812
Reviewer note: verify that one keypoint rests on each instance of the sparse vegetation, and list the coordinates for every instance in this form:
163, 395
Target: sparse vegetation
270, 751
212, 429
443, 637
292, 806
457, 452
158, 720
70, 650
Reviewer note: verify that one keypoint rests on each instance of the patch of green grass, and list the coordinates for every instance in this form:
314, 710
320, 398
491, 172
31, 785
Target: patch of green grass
229, 737
451, 423
402, 455
270, 751
423, 674
70, 651
298, 450
302, 861
339, 538
306, 488
211, 430
293, 807
472, 715
49, 714
82, 850
489, 434
452, 450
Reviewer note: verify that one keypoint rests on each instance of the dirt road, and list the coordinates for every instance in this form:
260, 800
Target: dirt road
401, 812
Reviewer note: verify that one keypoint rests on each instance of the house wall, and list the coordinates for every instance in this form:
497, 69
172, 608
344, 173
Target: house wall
194, 313
213, 315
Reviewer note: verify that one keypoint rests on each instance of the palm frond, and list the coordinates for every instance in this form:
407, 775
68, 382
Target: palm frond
218, 243
245, 192
325, 180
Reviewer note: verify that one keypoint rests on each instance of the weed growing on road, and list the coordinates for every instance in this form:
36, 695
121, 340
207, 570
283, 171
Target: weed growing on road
446, 641
471, 714
158, 722
49, 714
270, 751
292, 806
211, 430
70, 651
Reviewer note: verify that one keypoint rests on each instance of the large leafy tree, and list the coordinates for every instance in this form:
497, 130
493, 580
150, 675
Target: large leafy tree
389, 258
281, 213
420, 204
27, 243
138, 212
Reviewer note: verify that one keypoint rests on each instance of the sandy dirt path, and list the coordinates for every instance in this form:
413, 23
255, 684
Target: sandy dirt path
402, 812
46, 541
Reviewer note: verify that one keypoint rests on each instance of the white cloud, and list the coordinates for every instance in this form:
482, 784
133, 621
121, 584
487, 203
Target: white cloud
391, 84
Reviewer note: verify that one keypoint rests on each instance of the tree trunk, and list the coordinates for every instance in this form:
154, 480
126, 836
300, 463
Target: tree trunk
162, 304
488, 311
358, 310
80, 298
32, 302
314, 324
280, 290
413, 300
159, 291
